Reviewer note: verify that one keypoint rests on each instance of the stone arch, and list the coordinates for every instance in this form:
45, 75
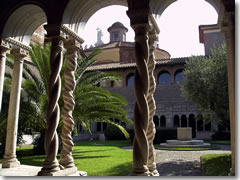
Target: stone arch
176, 121
77, 13
21, 24
199, 122
192, 124
164, 77
163, 121
156, 121
178, 76
183, 120
130, 79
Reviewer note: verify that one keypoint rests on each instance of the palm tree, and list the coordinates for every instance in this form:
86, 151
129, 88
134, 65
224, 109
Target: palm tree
93, 104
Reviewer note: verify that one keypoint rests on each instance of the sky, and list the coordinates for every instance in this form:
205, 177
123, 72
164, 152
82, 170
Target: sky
179, 34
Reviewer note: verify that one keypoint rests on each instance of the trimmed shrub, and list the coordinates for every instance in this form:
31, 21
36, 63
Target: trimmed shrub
216, 164
131, 133
221, 135
113, 133
161, 135
164, 134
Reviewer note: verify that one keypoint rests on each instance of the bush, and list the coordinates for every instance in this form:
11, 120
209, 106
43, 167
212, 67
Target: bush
131, 133
164, 134
216, 164
221, 135
161, 135
113, 133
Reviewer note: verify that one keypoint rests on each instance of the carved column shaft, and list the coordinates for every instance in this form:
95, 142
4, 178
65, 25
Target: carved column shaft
10, 159
51, 142
141, 110
66, 159
228, 28
3, 52
152, 106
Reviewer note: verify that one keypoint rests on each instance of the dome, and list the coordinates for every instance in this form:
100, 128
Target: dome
117, 24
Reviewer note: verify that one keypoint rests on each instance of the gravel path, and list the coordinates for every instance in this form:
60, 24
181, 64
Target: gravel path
182, 163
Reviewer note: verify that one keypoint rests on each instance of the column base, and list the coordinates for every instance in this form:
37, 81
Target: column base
63, 172
10, 162
231, 173
140, 172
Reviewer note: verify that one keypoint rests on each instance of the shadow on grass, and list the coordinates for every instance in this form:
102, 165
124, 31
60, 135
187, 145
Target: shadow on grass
89, 157
79, 151
123, 169
179, 168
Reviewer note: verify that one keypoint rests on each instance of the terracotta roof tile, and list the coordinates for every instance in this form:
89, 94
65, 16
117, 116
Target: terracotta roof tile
108, 66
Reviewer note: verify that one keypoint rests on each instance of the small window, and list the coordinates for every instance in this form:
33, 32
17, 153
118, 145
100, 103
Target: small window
163, 121
183, 121
130, 80
179, 77
200, 122
176, 121
115, 36
164, 78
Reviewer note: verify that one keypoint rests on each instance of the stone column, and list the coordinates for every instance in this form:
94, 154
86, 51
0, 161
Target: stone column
4, 47
51, 143
10, 159
66, 159
228, 28
152, 106
141, 85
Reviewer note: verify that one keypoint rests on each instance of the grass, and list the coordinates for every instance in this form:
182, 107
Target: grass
223, 142
216, 164
94, 157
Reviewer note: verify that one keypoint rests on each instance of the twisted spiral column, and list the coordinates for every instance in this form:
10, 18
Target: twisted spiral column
66, 159
51, 164
152, 107
141, 110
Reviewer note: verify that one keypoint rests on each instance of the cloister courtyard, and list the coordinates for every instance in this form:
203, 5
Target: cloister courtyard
57, 91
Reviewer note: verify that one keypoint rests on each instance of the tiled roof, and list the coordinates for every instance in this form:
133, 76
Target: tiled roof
118, 65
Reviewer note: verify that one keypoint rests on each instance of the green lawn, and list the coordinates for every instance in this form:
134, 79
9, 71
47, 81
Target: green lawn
95, 157
223, 142
216, 164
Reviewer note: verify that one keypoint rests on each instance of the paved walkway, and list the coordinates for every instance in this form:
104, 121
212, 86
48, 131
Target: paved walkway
182, 163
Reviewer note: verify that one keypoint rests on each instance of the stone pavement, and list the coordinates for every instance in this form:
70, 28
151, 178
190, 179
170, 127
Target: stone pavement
183, 163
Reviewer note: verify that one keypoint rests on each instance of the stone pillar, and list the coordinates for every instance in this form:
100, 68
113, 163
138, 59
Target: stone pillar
141, 84
66, 159
228, 28
51, 143
10, 159
152, 106
4, 47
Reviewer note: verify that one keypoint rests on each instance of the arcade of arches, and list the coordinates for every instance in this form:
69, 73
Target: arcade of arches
64, 21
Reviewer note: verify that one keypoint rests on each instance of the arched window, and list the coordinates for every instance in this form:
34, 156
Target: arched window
183, 121
156, 121
130, 80
208, 126
199, 122
192, 124
164, 77
178, 77
176, 122
162, 121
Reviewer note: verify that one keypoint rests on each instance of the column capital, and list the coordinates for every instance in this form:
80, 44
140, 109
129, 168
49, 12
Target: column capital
70, 34
72, 44
4, 45
19, 53
139, 16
